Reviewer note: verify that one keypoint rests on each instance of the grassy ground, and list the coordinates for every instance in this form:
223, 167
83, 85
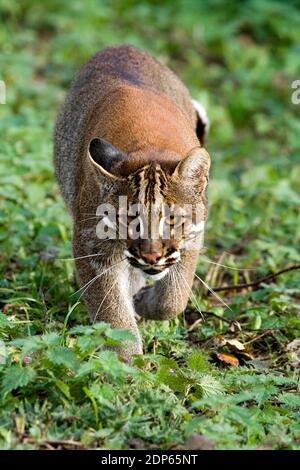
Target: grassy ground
228, 381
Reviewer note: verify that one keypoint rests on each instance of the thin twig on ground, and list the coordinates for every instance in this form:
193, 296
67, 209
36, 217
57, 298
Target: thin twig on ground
256, 283
51, 442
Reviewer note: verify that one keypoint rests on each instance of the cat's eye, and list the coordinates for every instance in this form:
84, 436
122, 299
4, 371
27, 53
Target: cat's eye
175, 220
136, 227
169, 220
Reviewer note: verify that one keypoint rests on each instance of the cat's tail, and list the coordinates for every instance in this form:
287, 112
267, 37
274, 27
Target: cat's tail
202, 125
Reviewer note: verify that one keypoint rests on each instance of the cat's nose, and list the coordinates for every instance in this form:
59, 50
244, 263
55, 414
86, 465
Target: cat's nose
152, 257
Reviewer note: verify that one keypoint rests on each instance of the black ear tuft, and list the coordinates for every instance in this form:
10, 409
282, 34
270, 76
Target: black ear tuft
200, 130
105, 155
202, 124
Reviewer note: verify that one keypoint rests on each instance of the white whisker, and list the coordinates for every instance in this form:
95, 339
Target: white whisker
226, 266
89, 218
86, 286
193, 298
79, 257
89, 283
176, 282
212, 291
90, 213
101, 303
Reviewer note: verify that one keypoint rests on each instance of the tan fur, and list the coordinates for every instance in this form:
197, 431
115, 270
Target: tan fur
141, 108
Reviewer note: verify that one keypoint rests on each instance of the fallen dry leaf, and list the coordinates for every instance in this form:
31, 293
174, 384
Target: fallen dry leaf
228, 359
235, 327
235, 343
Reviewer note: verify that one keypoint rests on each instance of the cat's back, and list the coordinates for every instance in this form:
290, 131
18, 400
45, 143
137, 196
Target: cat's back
123, 65
125, 95
118, 71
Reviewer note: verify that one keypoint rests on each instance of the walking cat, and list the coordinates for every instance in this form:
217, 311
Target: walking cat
129, 129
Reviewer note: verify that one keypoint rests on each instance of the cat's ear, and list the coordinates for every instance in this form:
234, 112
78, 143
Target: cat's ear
194, 166
106, 158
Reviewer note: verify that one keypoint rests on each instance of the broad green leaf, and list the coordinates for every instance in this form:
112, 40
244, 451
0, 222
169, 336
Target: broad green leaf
16, 376
120, 335
173, 378
197, 362
291, 400
61, 355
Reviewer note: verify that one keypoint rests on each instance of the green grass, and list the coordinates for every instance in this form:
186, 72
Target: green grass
59, 388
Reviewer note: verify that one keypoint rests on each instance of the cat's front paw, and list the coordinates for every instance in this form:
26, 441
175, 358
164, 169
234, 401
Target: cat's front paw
142, 302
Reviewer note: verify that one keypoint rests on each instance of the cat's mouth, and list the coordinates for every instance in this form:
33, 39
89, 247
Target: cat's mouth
148, 269
151, 269
155, 272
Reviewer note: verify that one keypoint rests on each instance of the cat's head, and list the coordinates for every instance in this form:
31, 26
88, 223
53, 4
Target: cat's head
158, 210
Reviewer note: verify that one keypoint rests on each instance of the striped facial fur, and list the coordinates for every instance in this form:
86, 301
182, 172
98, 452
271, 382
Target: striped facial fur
161, 227
166, 210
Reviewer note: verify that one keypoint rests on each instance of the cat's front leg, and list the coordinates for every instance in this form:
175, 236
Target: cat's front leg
168, 297
106, 292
